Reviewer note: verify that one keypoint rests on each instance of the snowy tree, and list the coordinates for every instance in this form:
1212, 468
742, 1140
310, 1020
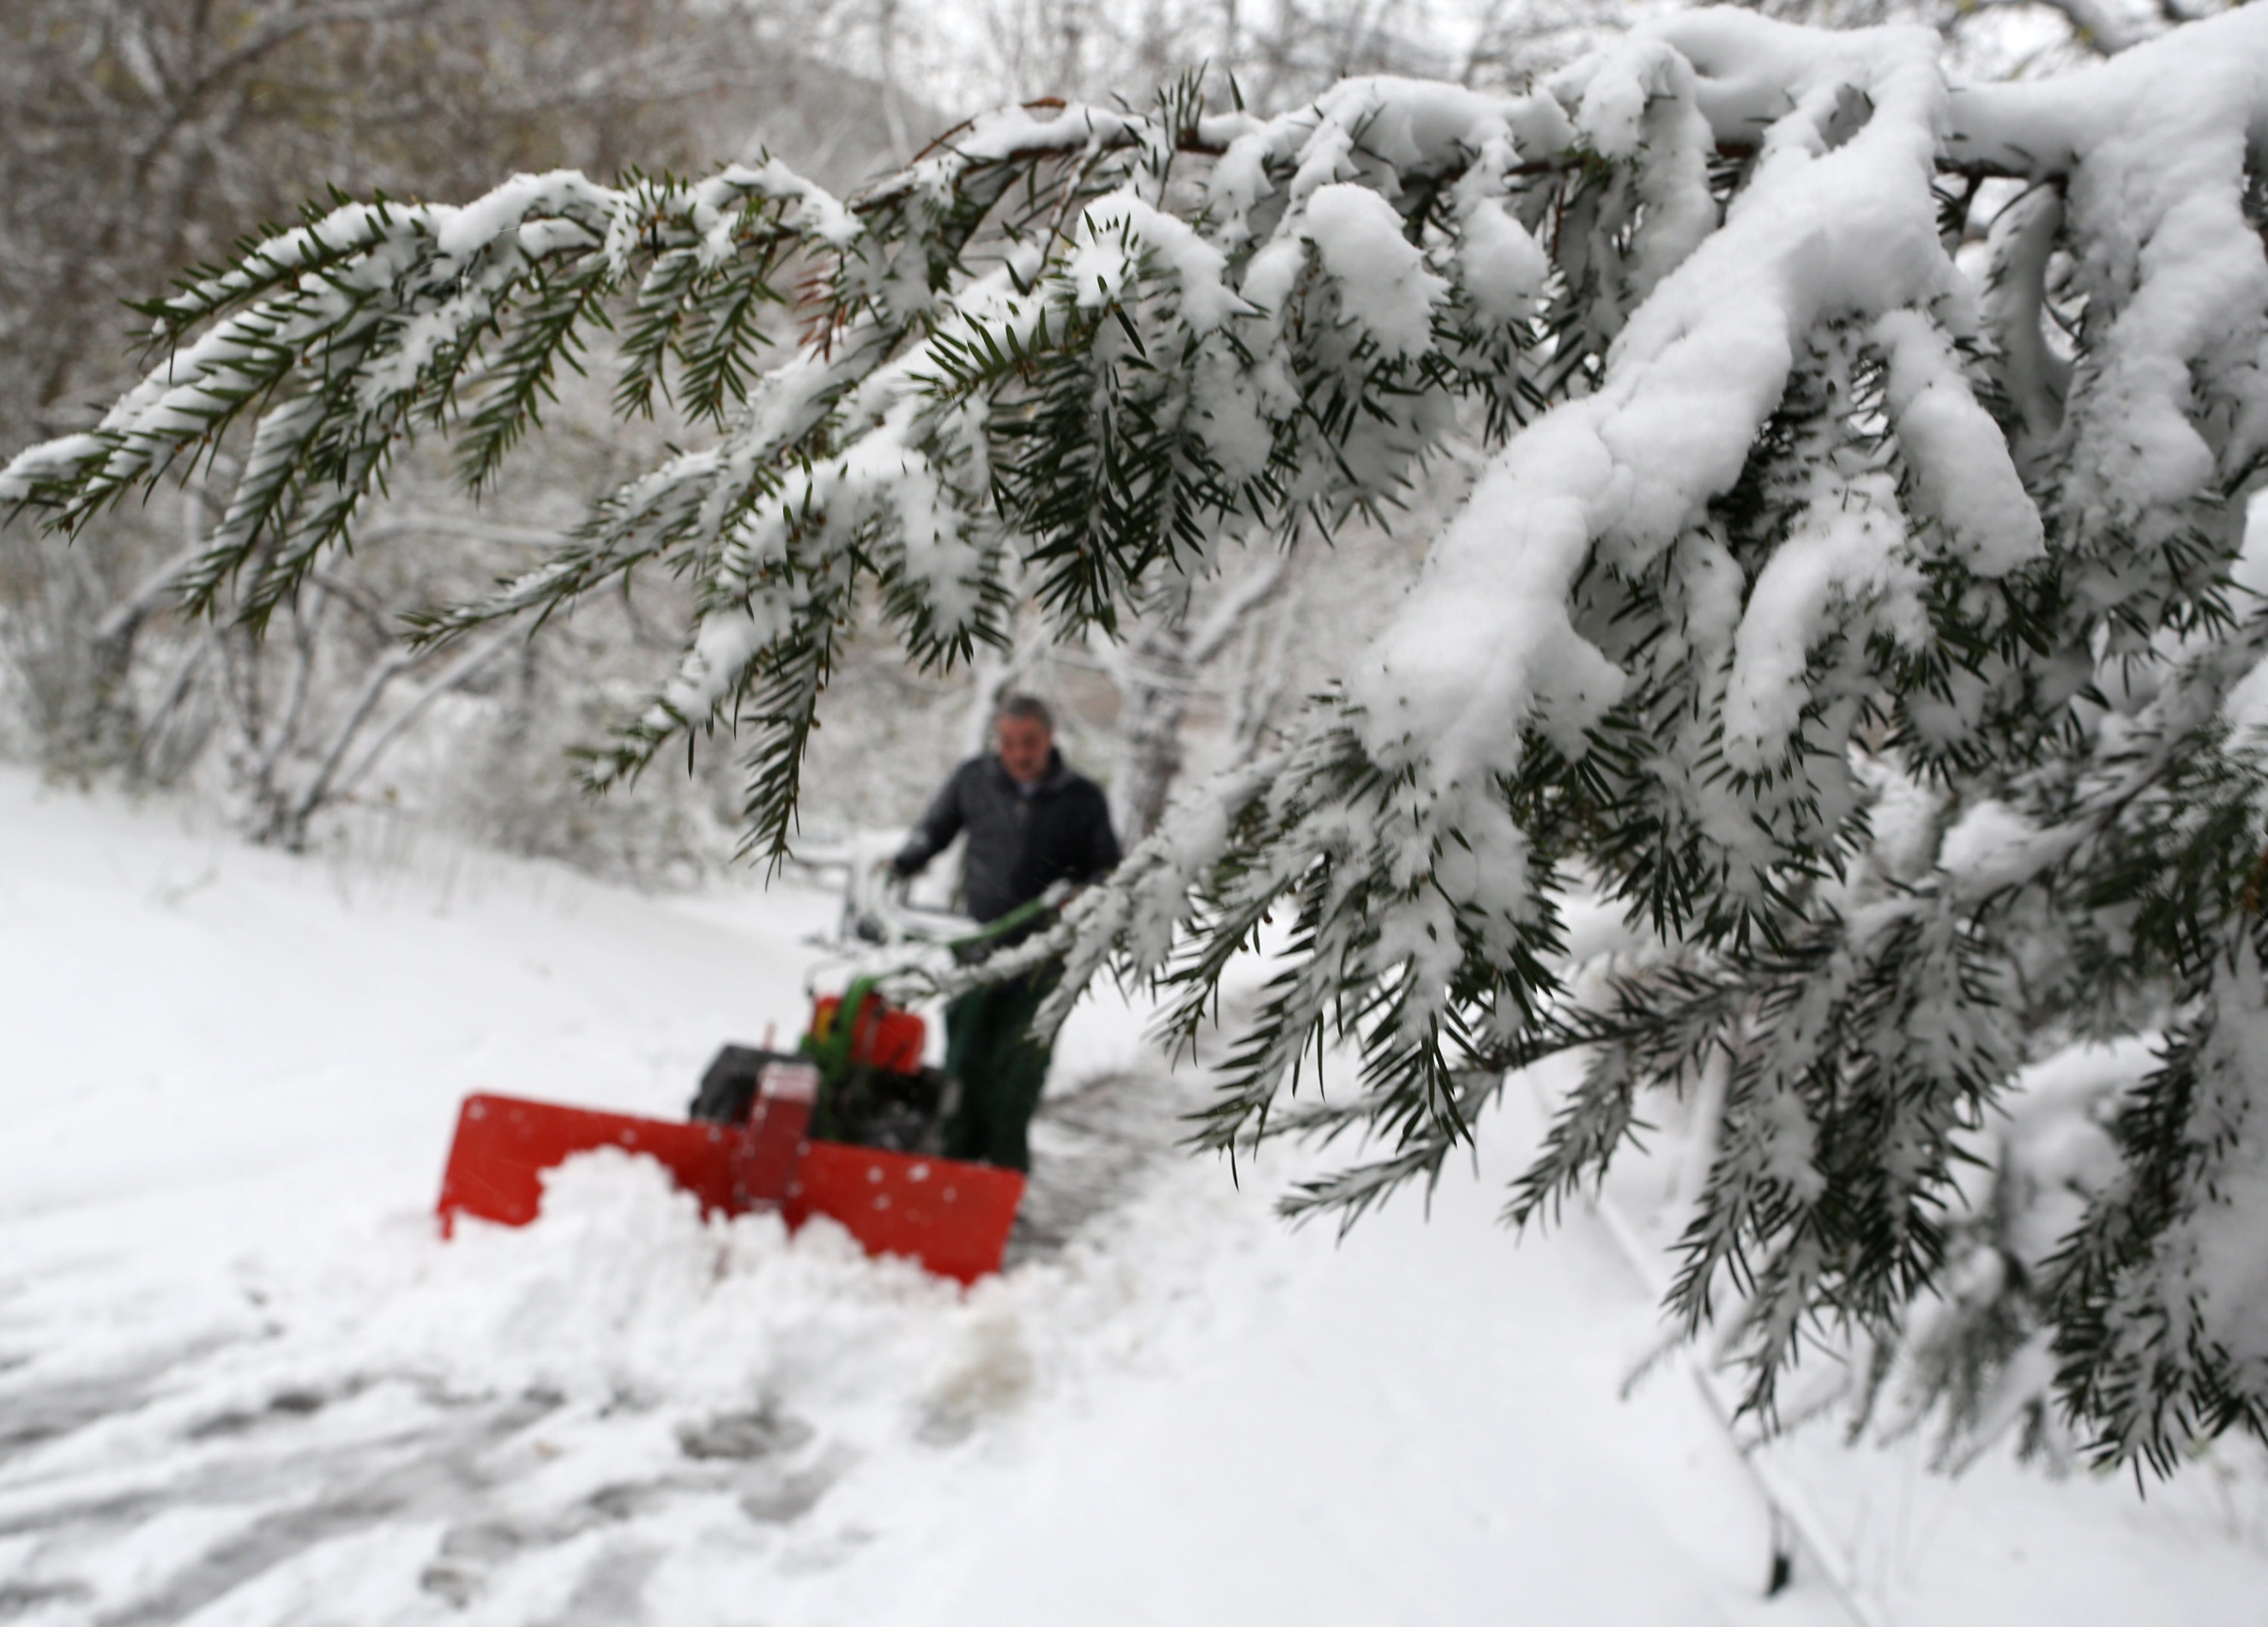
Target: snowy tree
1855, 598
138, 136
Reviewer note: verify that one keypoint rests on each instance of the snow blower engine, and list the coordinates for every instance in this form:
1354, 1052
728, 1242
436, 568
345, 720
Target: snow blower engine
847, 1126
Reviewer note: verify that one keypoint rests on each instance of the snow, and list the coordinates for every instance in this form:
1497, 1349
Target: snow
1005, 131
2054, 1141
1122, 224
1993, 846
817, 210
1383, 282
1499, 263
1846, 544
460, 232
2155, 142
1486, 645
242, 1381
1961, 459
53, 460
2209, 1278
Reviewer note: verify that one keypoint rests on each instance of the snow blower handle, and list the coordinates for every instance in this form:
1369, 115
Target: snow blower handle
878, 908
970, 946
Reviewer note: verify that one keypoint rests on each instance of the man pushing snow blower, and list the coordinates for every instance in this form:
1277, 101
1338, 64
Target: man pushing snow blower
845, 1125
1031, 823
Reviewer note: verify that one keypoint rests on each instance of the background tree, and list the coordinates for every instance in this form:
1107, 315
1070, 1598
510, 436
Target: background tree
1869, 633
145, 134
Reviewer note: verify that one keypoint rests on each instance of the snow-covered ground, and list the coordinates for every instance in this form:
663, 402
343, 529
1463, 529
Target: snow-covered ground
242, 1382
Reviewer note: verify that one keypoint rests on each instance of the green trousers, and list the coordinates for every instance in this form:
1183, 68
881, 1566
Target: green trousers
990, 1048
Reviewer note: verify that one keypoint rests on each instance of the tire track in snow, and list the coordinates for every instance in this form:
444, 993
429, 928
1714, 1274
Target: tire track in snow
413, 1475
1094, 1147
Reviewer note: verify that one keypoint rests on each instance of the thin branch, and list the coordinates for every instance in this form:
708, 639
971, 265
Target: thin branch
454, 676
395, 663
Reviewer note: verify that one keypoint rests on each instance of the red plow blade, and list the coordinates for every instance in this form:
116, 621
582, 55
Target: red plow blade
950, 1217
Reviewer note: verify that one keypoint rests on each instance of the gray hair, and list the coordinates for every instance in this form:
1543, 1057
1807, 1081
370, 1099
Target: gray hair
1021, 705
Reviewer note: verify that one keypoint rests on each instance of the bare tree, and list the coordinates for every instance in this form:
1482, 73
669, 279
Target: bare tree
139, 136
1159, 671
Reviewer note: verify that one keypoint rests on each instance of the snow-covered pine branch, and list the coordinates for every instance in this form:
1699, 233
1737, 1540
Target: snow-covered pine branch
1792, 520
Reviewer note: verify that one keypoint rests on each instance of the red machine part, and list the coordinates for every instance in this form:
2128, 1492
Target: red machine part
884, 1036
504, 1144
950, 1217
765, 1163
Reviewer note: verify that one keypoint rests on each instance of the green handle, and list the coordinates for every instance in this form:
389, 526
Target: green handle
1029, 910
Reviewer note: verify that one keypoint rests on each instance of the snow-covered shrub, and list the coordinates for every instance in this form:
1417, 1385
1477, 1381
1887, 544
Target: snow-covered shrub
1791, 521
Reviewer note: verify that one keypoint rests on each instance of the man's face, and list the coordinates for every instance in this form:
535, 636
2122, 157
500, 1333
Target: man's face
1024, 743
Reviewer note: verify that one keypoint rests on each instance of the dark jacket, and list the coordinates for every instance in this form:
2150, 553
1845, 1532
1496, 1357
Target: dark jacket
1020, 843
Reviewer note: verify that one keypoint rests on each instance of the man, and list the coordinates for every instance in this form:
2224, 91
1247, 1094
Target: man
1030, 823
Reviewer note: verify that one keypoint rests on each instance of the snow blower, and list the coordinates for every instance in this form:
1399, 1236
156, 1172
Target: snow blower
845, 1126
848, 1125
